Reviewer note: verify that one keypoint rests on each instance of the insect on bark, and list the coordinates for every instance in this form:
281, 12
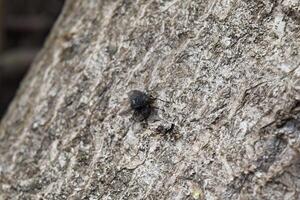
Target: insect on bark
141, 104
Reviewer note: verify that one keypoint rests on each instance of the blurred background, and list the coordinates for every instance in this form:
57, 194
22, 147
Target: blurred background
24, 26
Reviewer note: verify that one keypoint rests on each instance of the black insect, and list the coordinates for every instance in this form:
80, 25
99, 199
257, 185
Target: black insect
141, 104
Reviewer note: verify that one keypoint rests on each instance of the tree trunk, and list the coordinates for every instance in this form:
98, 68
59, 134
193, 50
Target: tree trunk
224, 125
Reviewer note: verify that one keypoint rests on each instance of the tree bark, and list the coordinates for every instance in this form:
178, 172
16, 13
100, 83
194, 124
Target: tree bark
227, 72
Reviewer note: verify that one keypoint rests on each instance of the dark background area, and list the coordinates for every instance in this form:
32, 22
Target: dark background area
24, 26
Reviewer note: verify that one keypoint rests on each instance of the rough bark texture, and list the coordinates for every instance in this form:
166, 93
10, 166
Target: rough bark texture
230, 70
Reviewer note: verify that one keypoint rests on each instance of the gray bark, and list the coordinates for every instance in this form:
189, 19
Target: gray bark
229, 69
